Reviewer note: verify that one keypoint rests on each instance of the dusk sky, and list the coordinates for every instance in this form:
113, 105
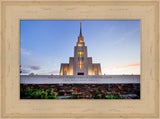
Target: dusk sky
45, 44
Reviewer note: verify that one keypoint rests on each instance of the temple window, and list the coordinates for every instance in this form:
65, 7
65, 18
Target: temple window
96, 70
80, 44
80, 64
81, 40
80, 54
65, 71
80, 60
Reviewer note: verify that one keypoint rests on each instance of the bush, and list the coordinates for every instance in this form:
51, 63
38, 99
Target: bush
38, 93
113, 96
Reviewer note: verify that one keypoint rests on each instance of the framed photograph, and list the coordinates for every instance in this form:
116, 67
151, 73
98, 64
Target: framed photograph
80, 59
43, 76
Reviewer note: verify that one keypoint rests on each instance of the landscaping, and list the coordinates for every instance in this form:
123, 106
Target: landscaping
78, 91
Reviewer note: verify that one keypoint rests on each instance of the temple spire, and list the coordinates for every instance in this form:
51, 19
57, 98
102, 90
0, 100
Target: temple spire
80, 37
80, 28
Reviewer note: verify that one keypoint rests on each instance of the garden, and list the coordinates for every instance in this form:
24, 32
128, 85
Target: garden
73, 92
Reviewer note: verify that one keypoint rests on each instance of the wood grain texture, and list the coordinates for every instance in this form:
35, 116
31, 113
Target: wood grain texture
14, 11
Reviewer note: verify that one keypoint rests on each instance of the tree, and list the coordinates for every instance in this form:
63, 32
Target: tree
20, 69
31, 74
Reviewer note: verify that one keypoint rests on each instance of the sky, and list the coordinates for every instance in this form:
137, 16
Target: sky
45, 44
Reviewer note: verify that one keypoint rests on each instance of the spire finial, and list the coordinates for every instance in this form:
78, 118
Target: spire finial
80, 28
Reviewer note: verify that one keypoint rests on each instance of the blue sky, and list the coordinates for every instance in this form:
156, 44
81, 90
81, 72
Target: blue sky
45, 44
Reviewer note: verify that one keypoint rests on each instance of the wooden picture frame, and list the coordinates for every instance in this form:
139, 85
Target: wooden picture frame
12, 11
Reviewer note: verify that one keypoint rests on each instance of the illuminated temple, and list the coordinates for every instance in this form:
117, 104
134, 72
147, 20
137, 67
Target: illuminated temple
80, 64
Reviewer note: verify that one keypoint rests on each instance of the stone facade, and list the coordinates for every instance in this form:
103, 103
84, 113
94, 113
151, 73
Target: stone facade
80, 64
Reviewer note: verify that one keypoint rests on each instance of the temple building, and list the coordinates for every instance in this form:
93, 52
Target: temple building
80, 64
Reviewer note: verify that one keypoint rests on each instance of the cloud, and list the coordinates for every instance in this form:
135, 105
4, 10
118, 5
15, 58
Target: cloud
125, 36
54, 72
131, 65
35, 67
25, 71
31, 67
120, 40
121, 67
24, 52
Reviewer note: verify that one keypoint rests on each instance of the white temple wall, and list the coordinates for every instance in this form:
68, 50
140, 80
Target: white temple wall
57, 79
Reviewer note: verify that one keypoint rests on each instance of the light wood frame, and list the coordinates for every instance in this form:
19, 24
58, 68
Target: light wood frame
14, 10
